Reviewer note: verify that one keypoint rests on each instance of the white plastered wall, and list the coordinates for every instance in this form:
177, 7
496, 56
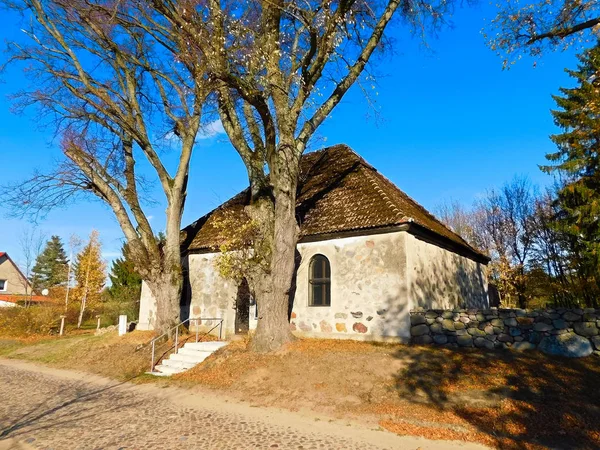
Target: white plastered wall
368, 289
212, 296
15, 282
147, 309
375, 282
441, 279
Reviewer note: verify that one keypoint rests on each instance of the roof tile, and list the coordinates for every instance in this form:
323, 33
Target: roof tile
338, 191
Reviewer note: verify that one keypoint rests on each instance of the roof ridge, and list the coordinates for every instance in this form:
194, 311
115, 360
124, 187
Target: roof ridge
15, 265
397, 212
425, 211
338, 190
412, 200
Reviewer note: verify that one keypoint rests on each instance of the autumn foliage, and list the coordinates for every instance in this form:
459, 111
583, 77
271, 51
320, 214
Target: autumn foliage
90, 276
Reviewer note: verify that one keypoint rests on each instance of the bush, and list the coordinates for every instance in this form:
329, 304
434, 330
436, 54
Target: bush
44, 320
111, 310
35, 320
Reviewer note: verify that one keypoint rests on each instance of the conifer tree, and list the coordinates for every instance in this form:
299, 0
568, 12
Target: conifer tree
126, 283
50, 269
577, 161
90, 275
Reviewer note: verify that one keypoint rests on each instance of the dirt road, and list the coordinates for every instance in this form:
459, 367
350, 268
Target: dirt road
44, 408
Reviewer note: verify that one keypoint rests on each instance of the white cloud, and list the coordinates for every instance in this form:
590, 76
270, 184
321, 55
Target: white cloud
211, 130
207, 131
170, 136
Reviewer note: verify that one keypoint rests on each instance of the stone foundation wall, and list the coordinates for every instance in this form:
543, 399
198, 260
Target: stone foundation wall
565, 332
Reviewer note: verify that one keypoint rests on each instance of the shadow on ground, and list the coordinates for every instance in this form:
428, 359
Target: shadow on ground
63, 409
520, 400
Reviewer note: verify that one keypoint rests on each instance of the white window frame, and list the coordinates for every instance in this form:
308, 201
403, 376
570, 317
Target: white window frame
5, 286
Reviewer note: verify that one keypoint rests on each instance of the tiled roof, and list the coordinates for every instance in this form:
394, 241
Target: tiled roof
14, 298
338, 192
2, 254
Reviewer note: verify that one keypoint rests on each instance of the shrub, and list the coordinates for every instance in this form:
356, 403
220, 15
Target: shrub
41, 320
111, 310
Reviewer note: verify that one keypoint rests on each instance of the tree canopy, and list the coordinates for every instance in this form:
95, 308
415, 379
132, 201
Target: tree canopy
531, 27
110, 81
90, 275
577, 163
126, 283
51, 266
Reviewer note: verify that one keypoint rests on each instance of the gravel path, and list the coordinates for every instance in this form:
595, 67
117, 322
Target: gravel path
45, 408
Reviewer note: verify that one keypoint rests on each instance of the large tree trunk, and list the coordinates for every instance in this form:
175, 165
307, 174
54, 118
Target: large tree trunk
166, 288
166, 280
273, 289
164, 276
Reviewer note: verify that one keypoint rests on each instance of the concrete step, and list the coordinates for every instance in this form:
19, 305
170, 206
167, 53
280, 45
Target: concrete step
189, 357
174, 363
167, 370
201, 354
205, 346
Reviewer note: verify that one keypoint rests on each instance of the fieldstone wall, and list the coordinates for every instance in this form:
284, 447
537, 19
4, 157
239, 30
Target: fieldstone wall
561, 331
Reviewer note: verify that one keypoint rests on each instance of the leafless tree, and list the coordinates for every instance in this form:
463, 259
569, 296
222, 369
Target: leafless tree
106, 76
74, 245
530, 27
469, 223
31, 242
503, 225
281, 67
551, 251
507, 216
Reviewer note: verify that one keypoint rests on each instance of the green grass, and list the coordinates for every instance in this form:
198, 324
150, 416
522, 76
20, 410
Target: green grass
108, 354
8, 346
51, 350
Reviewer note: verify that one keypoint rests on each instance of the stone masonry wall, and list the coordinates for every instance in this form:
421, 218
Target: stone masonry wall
560, 331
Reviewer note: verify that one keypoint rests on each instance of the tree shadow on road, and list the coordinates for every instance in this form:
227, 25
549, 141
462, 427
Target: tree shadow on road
520, 400
81, 405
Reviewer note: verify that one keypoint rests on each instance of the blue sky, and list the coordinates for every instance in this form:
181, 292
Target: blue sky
451, 124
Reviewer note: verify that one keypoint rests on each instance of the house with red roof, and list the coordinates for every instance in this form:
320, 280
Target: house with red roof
14, 286
368, 254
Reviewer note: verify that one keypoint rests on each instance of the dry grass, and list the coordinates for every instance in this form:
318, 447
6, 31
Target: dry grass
501, 399
107, 355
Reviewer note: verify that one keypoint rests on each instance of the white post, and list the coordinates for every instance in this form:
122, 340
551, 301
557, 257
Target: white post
68, 282
122, 324
98, 325
62, 325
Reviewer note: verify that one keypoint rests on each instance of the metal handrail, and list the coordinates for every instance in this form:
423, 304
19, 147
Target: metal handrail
176, 328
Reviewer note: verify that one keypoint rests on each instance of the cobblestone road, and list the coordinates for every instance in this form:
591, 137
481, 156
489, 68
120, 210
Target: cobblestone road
48, 411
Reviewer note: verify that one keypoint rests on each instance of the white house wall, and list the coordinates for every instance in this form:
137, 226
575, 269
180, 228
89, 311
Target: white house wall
212, 295
368, 289
147, 309
441, 279
375, 281
15, 282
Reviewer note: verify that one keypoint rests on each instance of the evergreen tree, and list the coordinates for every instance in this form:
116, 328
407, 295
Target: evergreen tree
51, 266
126, 283
90, 275
577, 161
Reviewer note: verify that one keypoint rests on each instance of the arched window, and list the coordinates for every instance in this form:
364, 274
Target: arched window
319, 281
